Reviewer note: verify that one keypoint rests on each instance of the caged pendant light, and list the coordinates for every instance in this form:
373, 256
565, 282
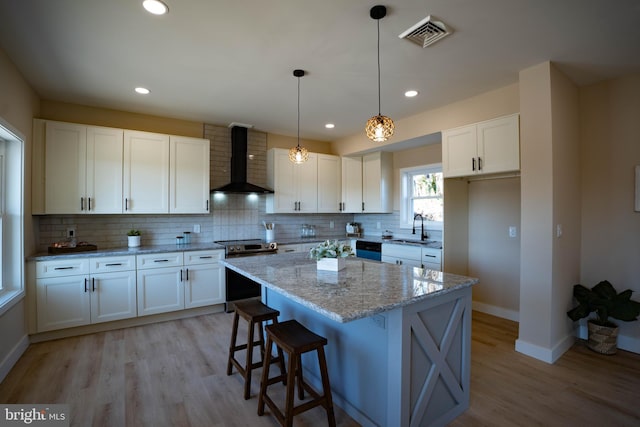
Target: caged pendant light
298, 154
379, 128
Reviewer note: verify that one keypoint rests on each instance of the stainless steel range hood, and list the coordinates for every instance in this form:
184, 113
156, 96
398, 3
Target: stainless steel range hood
239, 184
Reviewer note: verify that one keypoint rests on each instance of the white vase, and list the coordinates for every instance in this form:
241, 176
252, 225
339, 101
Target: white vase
331, 264
133, 241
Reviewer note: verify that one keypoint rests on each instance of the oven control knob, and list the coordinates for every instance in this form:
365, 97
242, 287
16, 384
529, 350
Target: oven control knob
231, 249
238, 248
272, 246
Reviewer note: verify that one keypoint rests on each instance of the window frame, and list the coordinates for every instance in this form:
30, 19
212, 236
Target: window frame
406, 217
12, 264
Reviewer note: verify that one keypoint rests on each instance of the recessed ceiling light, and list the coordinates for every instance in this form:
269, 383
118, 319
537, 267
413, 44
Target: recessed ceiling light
411, 93
155, 6
142, 90
329, 125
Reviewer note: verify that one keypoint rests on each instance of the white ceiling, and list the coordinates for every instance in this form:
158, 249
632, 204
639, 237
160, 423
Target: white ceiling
232, 60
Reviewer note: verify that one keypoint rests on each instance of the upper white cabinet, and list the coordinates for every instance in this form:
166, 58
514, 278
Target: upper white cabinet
492, 146
329, 183
377, 182
98, 170
146, 172
295, 186
189, 175
82, 169
351, 185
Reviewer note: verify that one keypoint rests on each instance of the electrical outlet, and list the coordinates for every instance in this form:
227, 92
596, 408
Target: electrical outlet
513, 231
196, 228
71, 232
331, 224
559, 230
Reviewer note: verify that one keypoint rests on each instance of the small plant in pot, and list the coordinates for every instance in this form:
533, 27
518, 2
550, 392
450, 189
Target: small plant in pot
133, 238
605, 302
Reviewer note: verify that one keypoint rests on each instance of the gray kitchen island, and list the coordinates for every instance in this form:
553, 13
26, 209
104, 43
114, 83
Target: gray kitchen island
399, 337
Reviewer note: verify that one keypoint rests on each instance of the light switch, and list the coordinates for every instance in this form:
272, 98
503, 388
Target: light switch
513, 231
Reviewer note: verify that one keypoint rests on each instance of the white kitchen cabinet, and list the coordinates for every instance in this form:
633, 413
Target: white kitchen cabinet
329, 183
402, 254
204, 278
189, 175
82, 291
377, 182
82, 168
351, 185
146, 172
415, 256
492, 146
295, 186
175, 280
160, 283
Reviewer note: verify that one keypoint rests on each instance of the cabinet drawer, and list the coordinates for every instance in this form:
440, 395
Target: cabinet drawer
63, 267
203, 257
432, 256
112, 263
402, 251
167, 259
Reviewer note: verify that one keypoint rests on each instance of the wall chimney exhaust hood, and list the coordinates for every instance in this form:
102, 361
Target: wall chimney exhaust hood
239, 184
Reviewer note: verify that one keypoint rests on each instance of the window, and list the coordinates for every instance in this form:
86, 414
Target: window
11, 218
422, 194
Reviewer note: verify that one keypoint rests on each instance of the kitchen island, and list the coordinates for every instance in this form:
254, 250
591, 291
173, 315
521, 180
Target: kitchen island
399, 338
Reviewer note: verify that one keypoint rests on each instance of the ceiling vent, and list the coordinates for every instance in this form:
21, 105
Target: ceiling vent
426, 32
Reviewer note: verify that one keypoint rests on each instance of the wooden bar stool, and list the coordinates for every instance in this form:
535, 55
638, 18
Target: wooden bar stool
254, 312
295, 340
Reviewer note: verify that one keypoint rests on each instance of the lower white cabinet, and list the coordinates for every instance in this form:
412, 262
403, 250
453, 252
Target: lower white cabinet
81, 291
414, 256
175, 280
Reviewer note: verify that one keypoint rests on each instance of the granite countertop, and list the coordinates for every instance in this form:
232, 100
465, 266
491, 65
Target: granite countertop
141, 250
363, 288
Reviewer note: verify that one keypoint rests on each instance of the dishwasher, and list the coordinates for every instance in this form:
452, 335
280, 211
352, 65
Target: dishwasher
369, 250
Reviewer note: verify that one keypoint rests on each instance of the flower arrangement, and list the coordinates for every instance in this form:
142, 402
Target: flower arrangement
330, 249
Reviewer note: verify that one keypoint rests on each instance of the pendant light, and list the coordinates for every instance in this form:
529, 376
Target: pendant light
379, 128
298, 154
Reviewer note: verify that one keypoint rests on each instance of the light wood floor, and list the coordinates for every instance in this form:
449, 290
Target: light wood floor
173, 374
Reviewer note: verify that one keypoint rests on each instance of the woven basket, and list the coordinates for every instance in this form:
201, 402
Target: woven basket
602, 339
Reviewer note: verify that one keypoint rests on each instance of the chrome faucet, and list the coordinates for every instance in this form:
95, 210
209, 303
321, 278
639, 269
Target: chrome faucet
422, 235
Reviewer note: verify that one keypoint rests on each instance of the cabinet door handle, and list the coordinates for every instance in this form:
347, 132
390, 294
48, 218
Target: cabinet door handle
479, 163
126, 204
207, 206
160, 260
63, 268
473, 163
206, 257
187, 274
115, 264
81, 203
93, 284
181, 275
89, 203
85, 284
362, 206
430, 256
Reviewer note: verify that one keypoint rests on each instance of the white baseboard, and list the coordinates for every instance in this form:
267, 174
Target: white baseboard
548, 355
13, 356
496, 311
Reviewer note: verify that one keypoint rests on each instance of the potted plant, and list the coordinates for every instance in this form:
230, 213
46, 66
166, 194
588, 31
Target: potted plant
605, 302
133, 238
330, 255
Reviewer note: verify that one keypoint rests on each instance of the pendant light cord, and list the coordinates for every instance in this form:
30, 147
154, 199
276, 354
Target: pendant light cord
298, 113
379, 109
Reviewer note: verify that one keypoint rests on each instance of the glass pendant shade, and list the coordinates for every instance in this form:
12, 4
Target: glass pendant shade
379, 128
298, 154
